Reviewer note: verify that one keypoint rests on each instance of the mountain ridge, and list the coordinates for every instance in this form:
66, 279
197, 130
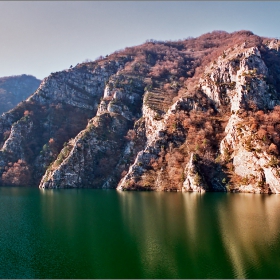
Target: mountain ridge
14, 89
194, 115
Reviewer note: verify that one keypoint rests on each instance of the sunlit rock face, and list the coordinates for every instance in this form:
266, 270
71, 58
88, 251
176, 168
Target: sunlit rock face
97, 148
193, 181
248, 90
163, 116
238, 79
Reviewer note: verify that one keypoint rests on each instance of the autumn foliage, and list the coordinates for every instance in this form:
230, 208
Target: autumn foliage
167, 69
17, 174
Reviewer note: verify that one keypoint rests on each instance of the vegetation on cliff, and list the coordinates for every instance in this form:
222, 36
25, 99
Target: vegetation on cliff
200, 114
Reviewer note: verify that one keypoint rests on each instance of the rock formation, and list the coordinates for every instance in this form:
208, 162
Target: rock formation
195, 115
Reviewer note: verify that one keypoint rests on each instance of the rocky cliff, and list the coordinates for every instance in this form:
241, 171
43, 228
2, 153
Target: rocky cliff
196, 115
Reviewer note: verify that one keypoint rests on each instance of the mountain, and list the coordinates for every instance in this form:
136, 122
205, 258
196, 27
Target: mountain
14, 89
200, 114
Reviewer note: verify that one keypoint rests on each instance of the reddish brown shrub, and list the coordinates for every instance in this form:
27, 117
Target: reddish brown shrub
17, 174
273, 149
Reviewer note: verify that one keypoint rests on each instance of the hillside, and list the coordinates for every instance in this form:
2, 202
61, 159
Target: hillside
200, 114
15, 89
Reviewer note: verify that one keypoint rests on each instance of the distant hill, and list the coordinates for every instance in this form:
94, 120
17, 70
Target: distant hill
14, 89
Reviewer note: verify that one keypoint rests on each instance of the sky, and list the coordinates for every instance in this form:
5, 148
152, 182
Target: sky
40, 37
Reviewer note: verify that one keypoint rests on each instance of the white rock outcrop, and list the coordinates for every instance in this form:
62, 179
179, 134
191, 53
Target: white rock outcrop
194, 179
249, 86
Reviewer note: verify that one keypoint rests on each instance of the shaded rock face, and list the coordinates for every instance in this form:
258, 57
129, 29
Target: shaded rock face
127, 122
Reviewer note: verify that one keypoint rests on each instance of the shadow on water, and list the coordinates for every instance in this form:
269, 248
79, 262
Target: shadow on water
108, 234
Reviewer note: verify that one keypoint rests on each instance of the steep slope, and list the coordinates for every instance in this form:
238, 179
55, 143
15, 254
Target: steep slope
237, 87
15, 89
251, 156
86, 160
34, 132
194, 115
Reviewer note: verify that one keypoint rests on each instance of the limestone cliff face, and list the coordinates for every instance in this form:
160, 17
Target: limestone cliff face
85, 160
102, 146
81, 86
157, 140
142, 119
37, 128
19, 132
237, 81
194, 179
251, 162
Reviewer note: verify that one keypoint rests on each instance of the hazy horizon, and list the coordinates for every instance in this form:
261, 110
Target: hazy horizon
43, 37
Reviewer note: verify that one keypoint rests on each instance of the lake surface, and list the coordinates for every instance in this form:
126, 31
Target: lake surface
109, 234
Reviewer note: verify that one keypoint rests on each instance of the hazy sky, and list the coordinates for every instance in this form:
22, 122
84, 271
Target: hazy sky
38, 38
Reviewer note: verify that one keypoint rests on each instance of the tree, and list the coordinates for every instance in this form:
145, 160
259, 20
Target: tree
17, 174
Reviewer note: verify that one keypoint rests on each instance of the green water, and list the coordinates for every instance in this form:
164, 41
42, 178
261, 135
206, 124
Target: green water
109, 234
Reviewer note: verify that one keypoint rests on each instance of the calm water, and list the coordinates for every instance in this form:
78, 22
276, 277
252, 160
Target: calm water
110, 234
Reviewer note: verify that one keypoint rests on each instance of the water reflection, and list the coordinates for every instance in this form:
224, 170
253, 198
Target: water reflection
249, 225
238, 230
191, 203
109, 234
150, 218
